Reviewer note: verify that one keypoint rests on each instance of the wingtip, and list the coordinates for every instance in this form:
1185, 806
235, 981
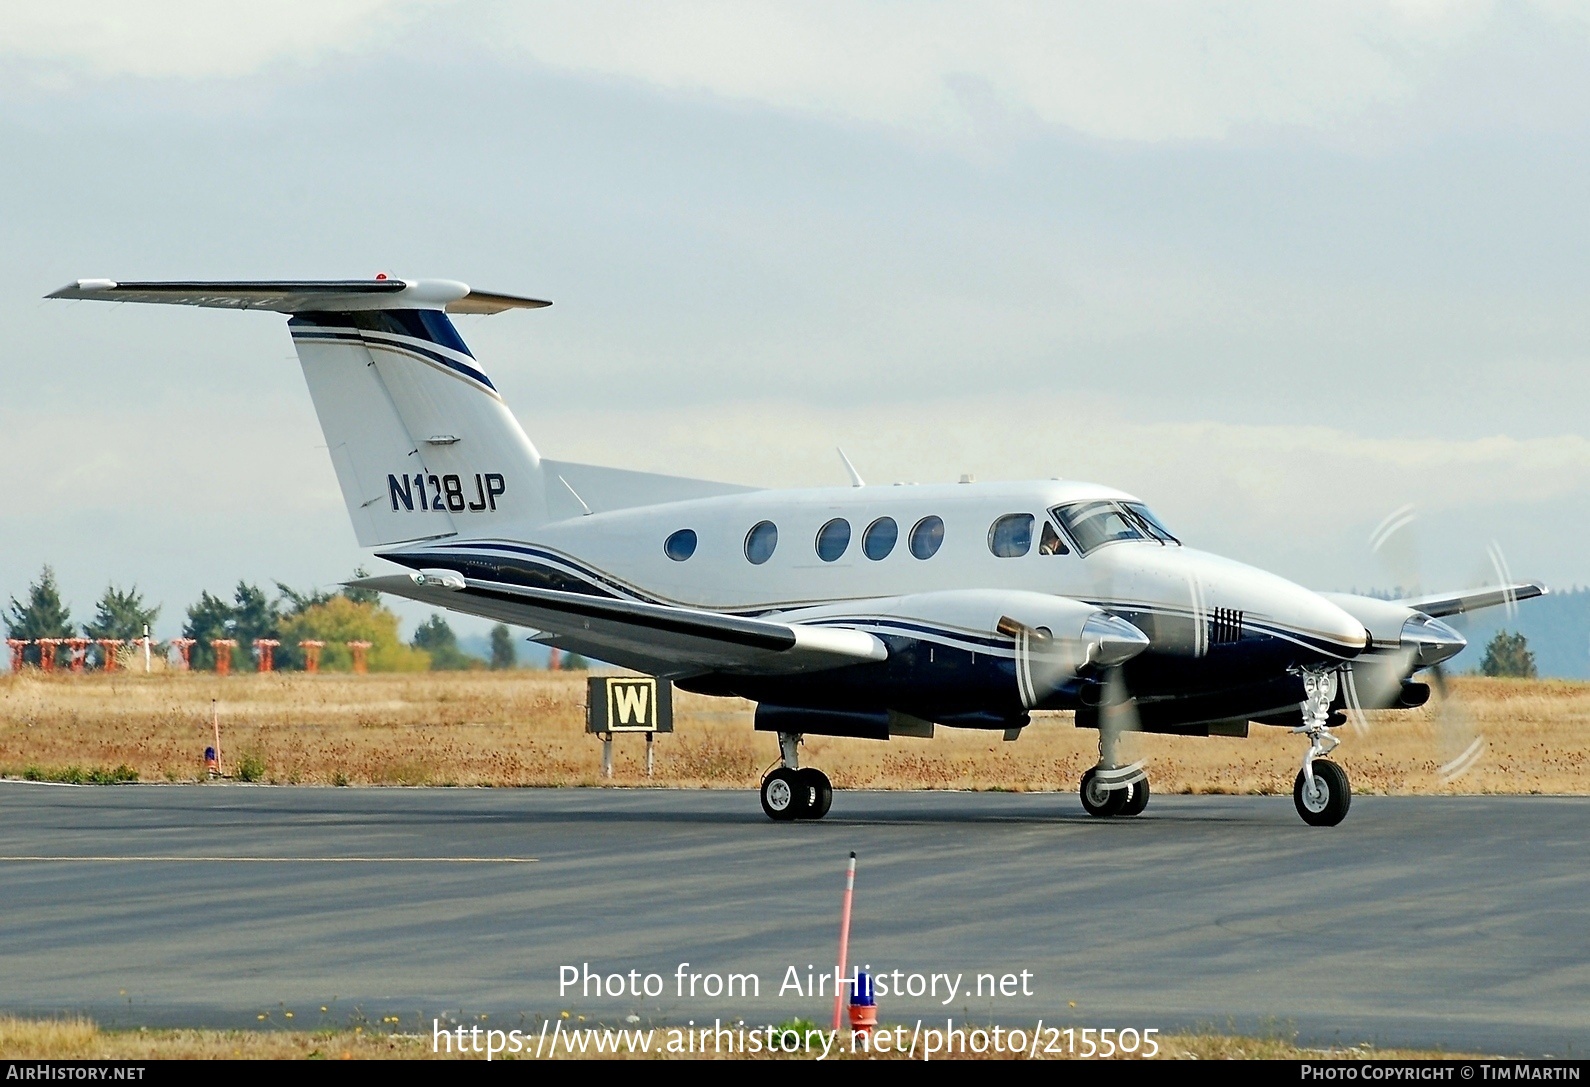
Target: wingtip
79, 287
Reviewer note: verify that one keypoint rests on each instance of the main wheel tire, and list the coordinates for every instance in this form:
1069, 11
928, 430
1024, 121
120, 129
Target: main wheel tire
1327, 804
785, 795
1138, 800
1099, 801
821, 795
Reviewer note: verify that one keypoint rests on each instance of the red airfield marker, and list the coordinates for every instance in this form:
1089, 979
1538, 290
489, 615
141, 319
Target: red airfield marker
844, 940
267, 648
107, 652
185, 649
223, 654
79, 648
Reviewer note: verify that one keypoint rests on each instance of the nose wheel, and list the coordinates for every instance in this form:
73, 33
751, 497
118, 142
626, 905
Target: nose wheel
1123, 791
1324, 800
790, 792
1110, 788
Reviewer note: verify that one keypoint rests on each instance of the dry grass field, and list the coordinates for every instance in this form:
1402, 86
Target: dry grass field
526, 728
81, 1039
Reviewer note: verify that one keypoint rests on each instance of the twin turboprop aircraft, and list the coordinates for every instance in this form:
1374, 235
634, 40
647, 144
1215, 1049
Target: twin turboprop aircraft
860, 611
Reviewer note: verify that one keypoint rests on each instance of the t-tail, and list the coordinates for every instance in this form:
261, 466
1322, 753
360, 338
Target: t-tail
422, 442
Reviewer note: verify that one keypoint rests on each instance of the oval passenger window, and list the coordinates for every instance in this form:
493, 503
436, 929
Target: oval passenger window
760, 542
681, 545
832, 539
880, 537
927, 536
1010, 537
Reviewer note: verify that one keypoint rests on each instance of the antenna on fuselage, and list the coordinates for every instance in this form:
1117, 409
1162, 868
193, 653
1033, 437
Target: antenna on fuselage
855, 476
576, 495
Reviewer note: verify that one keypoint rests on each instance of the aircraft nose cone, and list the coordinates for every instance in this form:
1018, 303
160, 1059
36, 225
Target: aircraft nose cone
1431, 640
1112, 640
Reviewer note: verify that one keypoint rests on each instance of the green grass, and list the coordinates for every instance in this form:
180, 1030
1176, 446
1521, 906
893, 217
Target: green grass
77, 775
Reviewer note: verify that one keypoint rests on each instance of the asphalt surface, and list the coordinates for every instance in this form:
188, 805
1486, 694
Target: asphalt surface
1457, 922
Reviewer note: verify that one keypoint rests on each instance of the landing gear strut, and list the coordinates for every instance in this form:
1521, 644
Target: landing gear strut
1110, 788
789, 792
1320, 792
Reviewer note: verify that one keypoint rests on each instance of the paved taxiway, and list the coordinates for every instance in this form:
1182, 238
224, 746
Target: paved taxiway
1460, 922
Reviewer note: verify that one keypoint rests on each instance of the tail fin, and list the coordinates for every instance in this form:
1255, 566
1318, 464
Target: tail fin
422, 442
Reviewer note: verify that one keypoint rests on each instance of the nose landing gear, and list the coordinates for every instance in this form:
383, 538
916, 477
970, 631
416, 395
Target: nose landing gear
1110, 789
789, 792
1321, 792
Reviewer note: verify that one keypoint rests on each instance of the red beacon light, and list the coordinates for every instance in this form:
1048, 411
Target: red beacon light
380, 276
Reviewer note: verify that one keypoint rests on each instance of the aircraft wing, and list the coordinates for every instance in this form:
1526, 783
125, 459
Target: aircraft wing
656, 638
1442, 604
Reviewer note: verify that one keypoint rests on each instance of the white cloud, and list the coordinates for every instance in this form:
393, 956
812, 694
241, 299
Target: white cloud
1137, 71
191, 39
1134, 70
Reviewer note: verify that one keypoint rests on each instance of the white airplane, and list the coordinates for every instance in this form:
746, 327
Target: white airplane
860, 611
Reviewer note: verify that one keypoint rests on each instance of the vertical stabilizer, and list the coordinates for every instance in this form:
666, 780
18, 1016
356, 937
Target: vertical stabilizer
422, 442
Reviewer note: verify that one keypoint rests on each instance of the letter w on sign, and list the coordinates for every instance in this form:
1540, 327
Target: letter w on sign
628, 704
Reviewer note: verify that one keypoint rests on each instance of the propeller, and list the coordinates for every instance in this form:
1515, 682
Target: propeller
1046, 664
1426, 644
1117, 719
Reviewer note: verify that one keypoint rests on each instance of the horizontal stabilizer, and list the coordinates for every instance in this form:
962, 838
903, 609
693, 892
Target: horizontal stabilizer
1458, 603
304, 295
657, 638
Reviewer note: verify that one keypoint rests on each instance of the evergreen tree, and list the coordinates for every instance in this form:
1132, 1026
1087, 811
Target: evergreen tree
210, 618
573, 662
290, 602
1508, 655
253, 616
503, 654
121, 615
43, 616
437, 638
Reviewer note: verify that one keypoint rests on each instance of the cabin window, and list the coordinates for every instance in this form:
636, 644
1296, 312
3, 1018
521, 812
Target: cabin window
681, 545
832, 539
1010, 537
926, 537
760, 542
1093, 524
879, 539
1050, 542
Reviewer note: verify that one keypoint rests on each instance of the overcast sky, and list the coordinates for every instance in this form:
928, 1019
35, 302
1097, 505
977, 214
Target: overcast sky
1280, 269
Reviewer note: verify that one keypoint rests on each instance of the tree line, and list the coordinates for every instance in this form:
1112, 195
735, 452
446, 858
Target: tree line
251, 614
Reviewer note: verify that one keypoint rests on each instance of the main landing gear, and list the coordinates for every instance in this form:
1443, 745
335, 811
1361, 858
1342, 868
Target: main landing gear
1111, 789
789, 792
1321, 792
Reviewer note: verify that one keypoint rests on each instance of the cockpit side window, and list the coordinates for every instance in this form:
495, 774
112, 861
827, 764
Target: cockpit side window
1093, 524
1153, 525
1050, 543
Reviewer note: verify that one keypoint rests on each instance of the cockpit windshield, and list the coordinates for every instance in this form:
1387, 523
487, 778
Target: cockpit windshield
1156, 528
1093, 524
